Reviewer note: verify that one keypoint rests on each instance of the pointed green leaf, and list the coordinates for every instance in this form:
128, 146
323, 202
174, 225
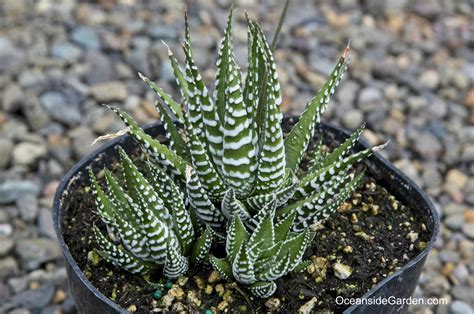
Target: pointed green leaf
176, 264
156, 232
239, 155
174, 201
198, 93
269, 207
120, 257
312, 214
231, 206
166, 98
134, 240
105, 207
294, 248
297, 140
342, 150
243, 267
162, 154
178, 74
283, 226
263, 237
236, 235
200, 201
267, 257
220, 97
201, 247
302, 266
204, 168
222, 266
252, 84
315, 156
263, 289
272, 164
138, 184
276, 270
313, 181
175, 137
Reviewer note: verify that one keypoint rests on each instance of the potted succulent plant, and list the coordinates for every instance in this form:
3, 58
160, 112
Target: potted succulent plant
239, 209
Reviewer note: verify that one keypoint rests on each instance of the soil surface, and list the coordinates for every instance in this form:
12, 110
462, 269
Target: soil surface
372, 234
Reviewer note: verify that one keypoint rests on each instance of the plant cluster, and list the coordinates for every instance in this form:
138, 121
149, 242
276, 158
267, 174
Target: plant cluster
230, 175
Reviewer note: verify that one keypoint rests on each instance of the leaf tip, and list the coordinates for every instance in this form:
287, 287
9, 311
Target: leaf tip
380, 147
170, 53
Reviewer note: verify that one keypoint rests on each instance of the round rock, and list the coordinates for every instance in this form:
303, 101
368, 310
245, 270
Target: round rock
27, 154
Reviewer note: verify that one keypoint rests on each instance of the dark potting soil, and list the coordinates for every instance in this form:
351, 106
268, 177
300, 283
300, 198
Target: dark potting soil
372, 233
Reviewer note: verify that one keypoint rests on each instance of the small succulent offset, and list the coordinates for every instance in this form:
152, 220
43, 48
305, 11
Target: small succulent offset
149, 221
268, 253
235, 170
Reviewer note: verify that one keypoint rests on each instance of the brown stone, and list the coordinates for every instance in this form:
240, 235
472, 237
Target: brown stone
469, 99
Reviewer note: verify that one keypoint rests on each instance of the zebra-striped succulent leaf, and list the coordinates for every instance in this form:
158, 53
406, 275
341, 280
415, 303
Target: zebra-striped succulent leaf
302, 132
152, 233
230, 175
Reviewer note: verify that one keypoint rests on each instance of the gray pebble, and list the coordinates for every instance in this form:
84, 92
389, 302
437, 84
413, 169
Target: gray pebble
463, 293
427, 146
45, 223
34, 252
18, 284
60, 109
82, 139
100, 68
28, 207
6, 147
468, 229
107, 92
460, 307
27, 154
11, 98
352, 119
6, 244
66, 51
455, 222
34, 298
8, 267
12, 59
86, 37
369, 99
461, 272
10, 191
34, 113
161, 31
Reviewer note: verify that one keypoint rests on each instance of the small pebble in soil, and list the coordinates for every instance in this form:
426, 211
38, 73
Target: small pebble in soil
220, 290
214, 277
347, 249
157, 294
222, 305
273, 304
342, 271
93, 257
208, 289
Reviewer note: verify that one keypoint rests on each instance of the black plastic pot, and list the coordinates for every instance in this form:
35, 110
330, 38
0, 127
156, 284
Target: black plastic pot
399, 285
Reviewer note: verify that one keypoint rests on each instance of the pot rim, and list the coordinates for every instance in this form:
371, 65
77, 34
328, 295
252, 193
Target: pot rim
67, 179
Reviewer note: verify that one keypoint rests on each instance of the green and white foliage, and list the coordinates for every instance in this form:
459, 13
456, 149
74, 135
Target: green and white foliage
234, 145
149, 223
231, 170
259, 258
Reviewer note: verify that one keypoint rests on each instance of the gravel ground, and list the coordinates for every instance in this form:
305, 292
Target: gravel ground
411, 79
